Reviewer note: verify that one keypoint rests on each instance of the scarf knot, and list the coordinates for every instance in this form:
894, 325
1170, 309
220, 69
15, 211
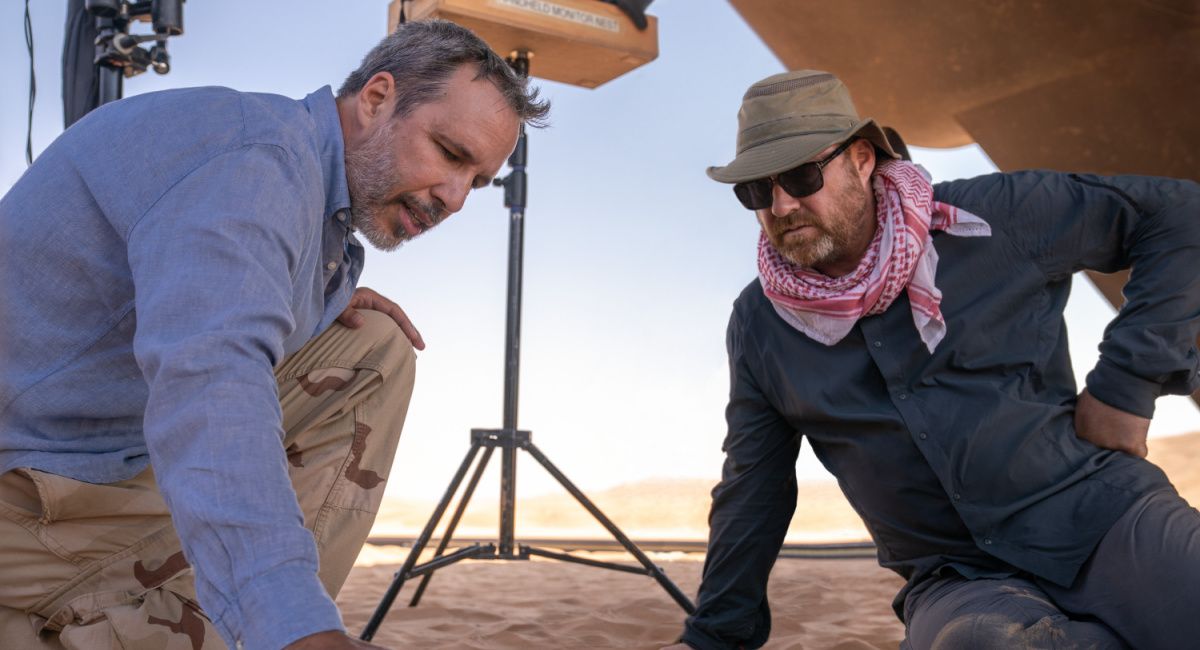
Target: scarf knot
900, 257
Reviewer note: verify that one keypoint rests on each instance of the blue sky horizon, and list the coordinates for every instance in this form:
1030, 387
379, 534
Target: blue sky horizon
633, 257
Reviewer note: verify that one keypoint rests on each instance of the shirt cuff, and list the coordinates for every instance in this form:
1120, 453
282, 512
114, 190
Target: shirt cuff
1123, 390
278, 608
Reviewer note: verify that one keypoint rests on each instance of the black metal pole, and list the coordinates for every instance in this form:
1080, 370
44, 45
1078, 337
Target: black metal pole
403, 574
453, 525
653, 570
514, 199
109, 79
110, 85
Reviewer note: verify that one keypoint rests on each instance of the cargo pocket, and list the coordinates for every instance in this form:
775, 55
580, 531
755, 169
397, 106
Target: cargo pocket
106, 564
87, 522
166, 617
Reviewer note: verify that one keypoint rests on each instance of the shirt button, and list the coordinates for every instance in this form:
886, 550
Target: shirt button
922, 435
331, 266
957, 496
988, 541
903, 396
341, 216
878, 344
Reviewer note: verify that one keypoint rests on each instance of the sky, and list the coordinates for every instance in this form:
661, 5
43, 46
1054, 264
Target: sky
632, 256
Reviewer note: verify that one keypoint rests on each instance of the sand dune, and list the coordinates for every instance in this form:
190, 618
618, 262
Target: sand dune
678, 508
653, 509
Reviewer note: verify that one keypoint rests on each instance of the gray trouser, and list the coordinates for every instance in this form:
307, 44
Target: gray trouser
1140, 589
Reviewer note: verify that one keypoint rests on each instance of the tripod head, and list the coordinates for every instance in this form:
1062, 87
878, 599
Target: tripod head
515, 184
117, 49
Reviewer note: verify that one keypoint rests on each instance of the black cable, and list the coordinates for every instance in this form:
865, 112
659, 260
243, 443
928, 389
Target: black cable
32, 86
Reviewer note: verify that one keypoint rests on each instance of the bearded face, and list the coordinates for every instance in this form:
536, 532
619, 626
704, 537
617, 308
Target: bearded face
814, 239
371, 176
408, 171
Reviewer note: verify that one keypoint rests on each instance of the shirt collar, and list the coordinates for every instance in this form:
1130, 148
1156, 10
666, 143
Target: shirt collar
323, 108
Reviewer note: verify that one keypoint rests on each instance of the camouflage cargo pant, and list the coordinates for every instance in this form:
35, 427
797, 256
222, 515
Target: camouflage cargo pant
91, 567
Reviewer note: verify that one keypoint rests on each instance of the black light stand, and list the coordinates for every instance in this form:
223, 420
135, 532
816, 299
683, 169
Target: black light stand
509, 440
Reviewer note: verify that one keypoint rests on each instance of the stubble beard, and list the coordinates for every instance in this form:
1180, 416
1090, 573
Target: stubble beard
370, 174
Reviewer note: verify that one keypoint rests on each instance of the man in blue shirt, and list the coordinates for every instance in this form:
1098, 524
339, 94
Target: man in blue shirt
196, 401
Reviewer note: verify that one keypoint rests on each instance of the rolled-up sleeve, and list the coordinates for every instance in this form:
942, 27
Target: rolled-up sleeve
751, 509
213, 263
1148, 225
1149, 349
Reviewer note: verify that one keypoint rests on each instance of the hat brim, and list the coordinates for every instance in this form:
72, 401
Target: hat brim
776, 156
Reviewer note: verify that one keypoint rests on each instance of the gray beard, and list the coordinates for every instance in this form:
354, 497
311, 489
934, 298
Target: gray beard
370, 169
818, 252
837, 234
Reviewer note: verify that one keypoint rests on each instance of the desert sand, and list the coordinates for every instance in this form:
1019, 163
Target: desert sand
1179, 456
816, 603
549, 604
844, 604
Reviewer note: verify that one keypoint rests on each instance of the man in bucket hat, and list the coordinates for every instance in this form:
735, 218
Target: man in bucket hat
914, 334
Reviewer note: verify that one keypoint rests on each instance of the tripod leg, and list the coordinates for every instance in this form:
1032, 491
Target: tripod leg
398, 581
458, 513
653, 570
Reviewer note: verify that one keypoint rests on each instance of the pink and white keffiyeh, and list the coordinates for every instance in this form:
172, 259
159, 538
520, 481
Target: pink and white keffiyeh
901, 256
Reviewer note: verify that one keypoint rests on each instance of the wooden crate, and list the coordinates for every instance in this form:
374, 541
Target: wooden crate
578, 42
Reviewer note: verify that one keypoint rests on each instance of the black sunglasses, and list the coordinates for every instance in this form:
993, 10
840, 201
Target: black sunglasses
798, 182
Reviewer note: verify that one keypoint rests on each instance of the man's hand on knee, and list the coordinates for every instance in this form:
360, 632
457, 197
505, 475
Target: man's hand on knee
332, 640
1109, 427
365, 298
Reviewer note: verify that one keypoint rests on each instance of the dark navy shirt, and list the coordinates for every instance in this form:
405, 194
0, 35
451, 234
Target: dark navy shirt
965, 459
156, 262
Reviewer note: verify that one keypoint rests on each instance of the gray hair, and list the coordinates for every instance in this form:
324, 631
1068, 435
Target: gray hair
421, 55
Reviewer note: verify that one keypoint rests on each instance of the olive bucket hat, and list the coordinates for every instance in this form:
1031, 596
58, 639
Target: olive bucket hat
789, 118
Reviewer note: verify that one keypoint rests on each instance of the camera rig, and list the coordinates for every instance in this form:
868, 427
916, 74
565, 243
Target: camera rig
119, 53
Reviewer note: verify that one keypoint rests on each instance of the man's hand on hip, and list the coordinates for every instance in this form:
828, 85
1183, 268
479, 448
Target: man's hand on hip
365, 298
332, 640
1110, 428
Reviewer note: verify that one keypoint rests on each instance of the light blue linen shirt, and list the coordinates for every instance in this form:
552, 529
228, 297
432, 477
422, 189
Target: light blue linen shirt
157, 262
